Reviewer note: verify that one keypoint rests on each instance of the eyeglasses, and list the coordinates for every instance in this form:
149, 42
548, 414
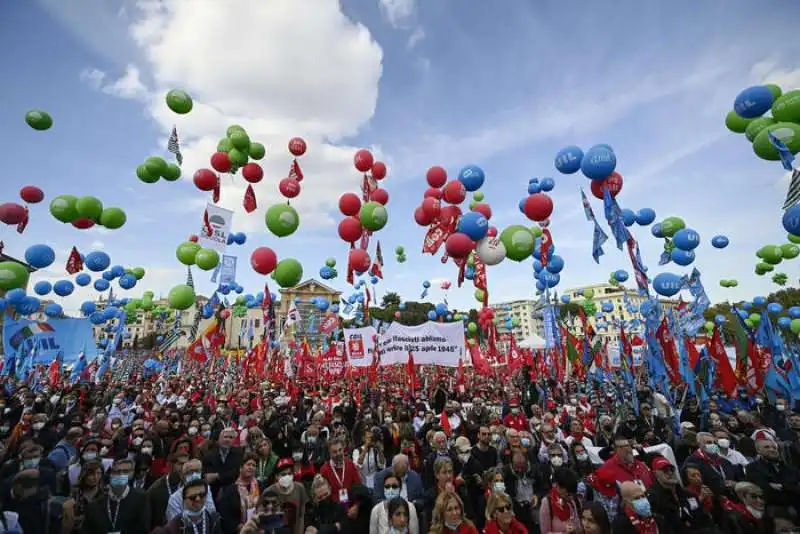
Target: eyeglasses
503, 509
196, 497
392, 486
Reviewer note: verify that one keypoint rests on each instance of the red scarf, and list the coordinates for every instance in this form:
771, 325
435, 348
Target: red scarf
716, 461
708, 503
642, 525
559, 505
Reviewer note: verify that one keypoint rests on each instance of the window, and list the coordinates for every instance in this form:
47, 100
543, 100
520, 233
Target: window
257, 323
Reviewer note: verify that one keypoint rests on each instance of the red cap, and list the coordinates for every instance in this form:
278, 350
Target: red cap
662, 463
284, 463
604, 482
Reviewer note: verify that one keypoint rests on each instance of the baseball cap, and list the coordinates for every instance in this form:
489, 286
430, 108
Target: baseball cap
661, 463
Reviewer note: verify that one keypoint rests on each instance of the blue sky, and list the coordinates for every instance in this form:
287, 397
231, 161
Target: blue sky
421, 83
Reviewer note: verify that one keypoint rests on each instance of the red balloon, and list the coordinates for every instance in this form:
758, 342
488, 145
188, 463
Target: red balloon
454, 192
350, 229
297, 146
363, 160
450, 212
397, 315
538, 207
492, 232
253, 173
359, 260
221, 162
379, 170
436, 176
421, 217
263, 260
31, 194
205, 179
484, 209
349, 204
289, 187
433, 192
432, 207
12, 213
381, 196
193, 238
613, 183
84, 223
458, 245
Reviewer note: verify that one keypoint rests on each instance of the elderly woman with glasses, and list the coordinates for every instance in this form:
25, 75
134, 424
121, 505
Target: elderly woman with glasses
194, 517
500, 516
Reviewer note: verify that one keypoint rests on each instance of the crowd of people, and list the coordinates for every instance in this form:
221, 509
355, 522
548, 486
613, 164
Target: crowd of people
174, 455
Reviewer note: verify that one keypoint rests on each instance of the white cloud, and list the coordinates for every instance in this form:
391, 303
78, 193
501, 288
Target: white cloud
93, 77
769, 71
98, 245
398, 12
416, 37
128, 86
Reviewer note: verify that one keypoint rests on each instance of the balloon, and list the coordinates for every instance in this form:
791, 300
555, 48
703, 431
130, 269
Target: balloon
42, 288
40, 256
657, 230
282, 220
363, 160
350, 229
538, 207
784, 322
518, 242
38, 119
753, 102
207, 259
686, 239
12, 213
613, 183
735, 123
349, 204
144, 174
645, 216
205, 179
288, 273
187, 252
774, 308
88, 307
548, 184
491, 250
682, 257
791, 220
289, 187
719, 241
63, 288
127, 281
474, 225
433, 193
63, 208
83, 279
431, 207
795, 326
220, 162
179, 101
771, 254
31, 194
620, 275
172, 173
667, 284
101, 284
381, 196
113, 218
458, 245
789, 251
472, 177
788, 132
454, 192
420, 217
436, 177
756, 125
263, 260
534, 187
359, 260
670, 225
97, 261
598, 162
568, 160
89, 207
628, 217
483, 209
181, 297
373, 216
240, 140
786, 108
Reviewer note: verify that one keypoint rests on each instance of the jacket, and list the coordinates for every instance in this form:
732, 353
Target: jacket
492, 527
177, 526
679, 510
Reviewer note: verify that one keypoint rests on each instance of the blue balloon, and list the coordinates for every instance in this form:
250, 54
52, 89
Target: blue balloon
127, 281
747, 306
784, 322
534, 187
474, 225
555, 265
568, 159
547, 184
537, 266
471, 177
42, 288
540, 286
28, 306
323, 305
565, 299
238, 289
657, 231
753, 102
240, 238
53, 310
88, 307
599, 162
791, 220
426, 284
682, 257
117, 271
645, 216
108, 275
40, 256
374, 280
230, 239
607, 307
441, 309
101, 285
667, 284
83, 279
759, 301
743, 314
686, 239
207, 312
97, 261
598, 315
522, 204
97, 318
620, 275
224, 289
63, 288
16, 296
719, 241
549, 279
774, 308
111, 312
628, 217
794, 312
431, 315
469, 274
3, 305
720, 319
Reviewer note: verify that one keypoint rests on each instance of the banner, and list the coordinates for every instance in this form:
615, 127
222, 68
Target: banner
430, 343
215, 228
46, 340
225, 271
359, 344
332, 364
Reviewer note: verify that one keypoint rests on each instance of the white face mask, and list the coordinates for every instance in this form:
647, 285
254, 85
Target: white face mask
38, 426
463, 458
724, 443
557, 461
54, 399
137, 441
285, 481
499, 487
297, 456
780, 407
147, 450
192, 430
582, 457
103, 451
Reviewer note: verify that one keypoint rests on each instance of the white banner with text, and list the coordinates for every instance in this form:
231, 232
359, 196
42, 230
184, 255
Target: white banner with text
429, 343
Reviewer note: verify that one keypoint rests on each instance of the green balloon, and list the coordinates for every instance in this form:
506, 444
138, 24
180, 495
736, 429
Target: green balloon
479, 294
764, 267
793, 238
138, 272
735, 123
787, 107
187, 252
147, 304
144, 174
233, 128
207, 258
257, 150
473, 204
795, 326
472, 327
179, 101
240, 300
238, 157
515, 321
755, 318
373, 216
733, 283
723, 283
401, 259
155, 165
38, 119
756, 125
588, 293
771, 254
749, 323
670, 225
536, 230
113, 218
282, 220
775, 90
172, 172
13, 275
709, 326
399, 250
63, 208
240, 140
224, 145
181, 297
519, 242
788, 132
89, 207
790, 251
477, 196
288, 273
330, 262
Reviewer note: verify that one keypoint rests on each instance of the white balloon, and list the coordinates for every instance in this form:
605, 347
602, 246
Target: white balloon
491, 250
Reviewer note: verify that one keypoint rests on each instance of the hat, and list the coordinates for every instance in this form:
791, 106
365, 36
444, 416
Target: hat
283, 463
462, 445
603, 481
660, 463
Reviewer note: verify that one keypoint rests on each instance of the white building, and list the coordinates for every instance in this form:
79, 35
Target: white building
521, 312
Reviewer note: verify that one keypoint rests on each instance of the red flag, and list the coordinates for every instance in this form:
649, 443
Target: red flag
249, 199
480, 364
547, 243
295, 172
55, 372
207, 224
445, 422
74, 263
461, 384
376, 269
217, 186
411, 375
667, 342
23, 223
725, 379
694, 355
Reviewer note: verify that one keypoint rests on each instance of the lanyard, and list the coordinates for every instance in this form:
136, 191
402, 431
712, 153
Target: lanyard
339, 479
203, 527
113, 520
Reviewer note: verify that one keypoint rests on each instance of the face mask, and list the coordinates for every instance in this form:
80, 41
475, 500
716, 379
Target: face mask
391, 493
219, 411
38, 426
496, 437
206, 434
582, 457
759, 401
30, 463
712, 449
189, 514
573, 401
525, 442
103, 451
463, 458
285, 481
515, 411
499, 487
420, 414
452, 526
192, 476
311, 439
642, 507
780, 407
297, 456
387, 420
118, 481
192, 430
147, 451
724, 443
758, 514
557, 461
89, 456
54, 399
394, 530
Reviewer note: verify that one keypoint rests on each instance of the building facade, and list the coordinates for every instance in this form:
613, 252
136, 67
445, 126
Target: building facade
521, 311
309, 315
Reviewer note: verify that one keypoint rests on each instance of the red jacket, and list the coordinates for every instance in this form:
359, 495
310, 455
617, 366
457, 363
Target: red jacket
515, 528
628, 472
517, 422
337, 481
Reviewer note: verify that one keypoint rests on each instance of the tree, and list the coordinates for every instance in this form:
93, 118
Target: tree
785, 297
390, 300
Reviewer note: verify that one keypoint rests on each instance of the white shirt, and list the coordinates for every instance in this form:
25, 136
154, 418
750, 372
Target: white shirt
175, 504
379, 519
585, 440
735, 457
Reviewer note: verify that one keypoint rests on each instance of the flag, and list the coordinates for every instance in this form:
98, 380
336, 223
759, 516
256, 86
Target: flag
600, 237
445, 422
174, 146
74, 263
783, 151
377, 266
725, 378
249, 202
411, 375
793, 194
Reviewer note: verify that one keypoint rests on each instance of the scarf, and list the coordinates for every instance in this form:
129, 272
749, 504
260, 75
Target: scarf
696, 490
248, 496
642, 525
559, 506
715, 461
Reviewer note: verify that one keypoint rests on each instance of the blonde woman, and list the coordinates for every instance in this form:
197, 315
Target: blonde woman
449, 517
322, 514
500, 516
381, 516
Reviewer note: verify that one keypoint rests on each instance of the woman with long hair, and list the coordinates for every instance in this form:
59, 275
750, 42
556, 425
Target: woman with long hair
449, 517
500, 516
88, 488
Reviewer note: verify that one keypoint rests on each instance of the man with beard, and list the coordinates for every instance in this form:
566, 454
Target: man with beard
483, 452
679, 509
780, 482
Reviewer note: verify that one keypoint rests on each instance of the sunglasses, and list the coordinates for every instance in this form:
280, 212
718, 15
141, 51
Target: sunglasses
196, 497
503, 509
392, 486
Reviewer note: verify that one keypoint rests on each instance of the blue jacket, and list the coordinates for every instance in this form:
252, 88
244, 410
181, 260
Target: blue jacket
61, 455
412, 482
